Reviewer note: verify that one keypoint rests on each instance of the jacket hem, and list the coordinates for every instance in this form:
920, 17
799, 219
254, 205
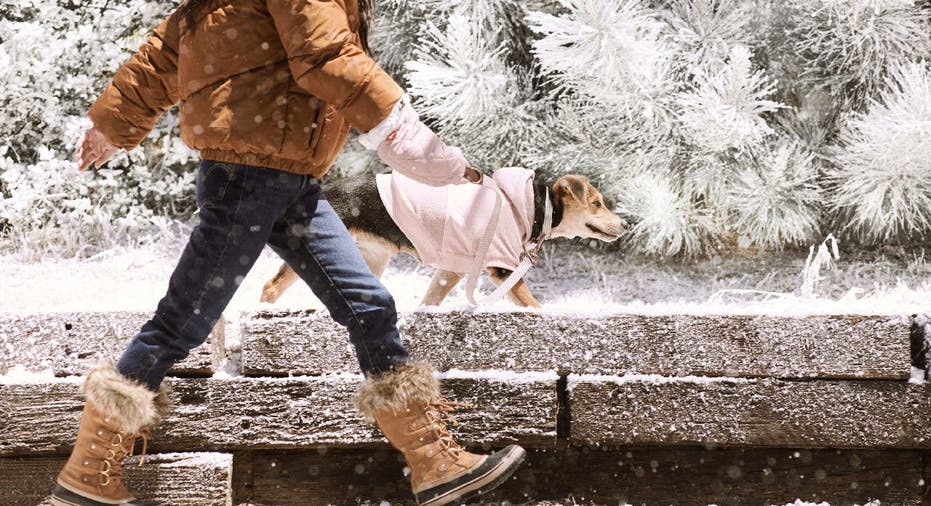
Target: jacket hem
266, 161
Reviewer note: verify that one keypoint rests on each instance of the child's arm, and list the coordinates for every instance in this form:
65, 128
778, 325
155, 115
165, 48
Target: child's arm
141, 90
326, 62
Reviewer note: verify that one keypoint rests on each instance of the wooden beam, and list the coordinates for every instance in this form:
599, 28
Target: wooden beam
829, 347
256, 413
682, 476
772, 413
70, 343
181, 479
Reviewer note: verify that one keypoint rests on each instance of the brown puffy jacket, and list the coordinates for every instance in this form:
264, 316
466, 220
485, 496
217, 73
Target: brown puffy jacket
273, 83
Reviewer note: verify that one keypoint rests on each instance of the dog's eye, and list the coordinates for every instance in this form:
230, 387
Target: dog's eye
597, 203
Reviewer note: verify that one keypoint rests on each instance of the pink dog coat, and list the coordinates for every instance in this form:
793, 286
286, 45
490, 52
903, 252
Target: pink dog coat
446, 223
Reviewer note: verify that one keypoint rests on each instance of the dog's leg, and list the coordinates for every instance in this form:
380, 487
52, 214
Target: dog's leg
279, 283
519, 293
376, 252
440, 286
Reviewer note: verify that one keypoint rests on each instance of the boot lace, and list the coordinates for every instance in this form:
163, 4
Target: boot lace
121, 446
438, 414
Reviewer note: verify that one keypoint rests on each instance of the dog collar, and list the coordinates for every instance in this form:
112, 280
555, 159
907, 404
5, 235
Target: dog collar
544, 232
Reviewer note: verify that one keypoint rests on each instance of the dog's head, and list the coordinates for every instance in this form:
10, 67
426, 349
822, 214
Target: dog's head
584, 213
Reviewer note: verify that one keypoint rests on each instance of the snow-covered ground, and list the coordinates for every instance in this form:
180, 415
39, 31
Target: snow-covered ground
572, 278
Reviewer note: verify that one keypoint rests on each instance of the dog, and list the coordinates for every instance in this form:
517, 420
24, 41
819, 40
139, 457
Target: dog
578, 211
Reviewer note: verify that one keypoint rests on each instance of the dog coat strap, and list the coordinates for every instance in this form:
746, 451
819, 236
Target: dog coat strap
526, 260
479, 263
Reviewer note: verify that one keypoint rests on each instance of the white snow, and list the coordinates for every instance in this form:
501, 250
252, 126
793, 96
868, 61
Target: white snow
19, 375
799, 502
136, 279
500, 376
575, 379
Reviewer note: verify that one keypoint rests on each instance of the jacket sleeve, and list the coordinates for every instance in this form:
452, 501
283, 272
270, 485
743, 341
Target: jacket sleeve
142, 89
326, 62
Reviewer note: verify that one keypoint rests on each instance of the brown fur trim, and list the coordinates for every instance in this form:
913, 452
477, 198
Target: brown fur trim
129, 402
396, 389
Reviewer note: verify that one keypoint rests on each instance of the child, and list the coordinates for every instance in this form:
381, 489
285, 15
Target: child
268, 90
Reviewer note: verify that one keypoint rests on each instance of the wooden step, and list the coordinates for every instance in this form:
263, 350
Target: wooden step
680, 476
179, 479
828, 347
305, 412
70, 343
768, 413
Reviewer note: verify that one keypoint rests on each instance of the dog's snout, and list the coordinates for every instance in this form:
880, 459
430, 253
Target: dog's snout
620, 225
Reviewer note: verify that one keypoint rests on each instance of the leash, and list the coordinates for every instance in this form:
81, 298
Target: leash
527, 259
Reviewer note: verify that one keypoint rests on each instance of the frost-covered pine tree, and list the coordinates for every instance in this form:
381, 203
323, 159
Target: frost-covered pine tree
882, 165
712, 124
848, 46
724, 110
55, 57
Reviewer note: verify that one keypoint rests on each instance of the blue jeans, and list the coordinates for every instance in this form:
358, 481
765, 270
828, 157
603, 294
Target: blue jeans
241, 209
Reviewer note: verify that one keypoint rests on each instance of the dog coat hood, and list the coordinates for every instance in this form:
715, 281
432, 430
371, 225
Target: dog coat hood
446, 224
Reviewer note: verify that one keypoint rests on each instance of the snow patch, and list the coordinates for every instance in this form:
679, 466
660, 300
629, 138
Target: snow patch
655, 379
19, 375
501, 376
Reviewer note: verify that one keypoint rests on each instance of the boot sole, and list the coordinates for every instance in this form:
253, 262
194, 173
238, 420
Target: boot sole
64, 497
489, 480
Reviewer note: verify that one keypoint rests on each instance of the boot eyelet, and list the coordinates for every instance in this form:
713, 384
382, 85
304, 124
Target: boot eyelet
87, 462
84, 479
93, 446
99, 432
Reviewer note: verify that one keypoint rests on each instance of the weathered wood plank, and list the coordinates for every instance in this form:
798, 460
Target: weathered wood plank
254, 413
839, 347
773, 413
681, 476
180, 479
70, 343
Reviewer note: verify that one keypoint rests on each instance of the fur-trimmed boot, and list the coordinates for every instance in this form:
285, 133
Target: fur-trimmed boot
117, 412
406, 404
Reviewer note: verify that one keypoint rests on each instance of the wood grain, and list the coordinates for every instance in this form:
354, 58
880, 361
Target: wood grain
256, 413
680, 476
184, 479
773, 413
70, 343
826, 347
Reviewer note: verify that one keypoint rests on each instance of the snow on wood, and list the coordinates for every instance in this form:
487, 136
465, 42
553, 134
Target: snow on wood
255, 413
591, 476
181, 479
748, 346
70, 343
810, 414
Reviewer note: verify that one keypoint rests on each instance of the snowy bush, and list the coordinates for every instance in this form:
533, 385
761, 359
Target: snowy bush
725, 111
777, 201
848, 46
612, 51
55, 58
460, 75
882, 174
713, 124
667, 220
707, 31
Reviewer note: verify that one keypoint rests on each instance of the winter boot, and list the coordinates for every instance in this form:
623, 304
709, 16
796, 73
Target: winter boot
406, 404
117, 412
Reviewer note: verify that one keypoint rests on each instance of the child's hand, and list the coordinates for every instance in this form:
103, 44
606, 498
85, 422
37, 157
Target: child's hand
94, 149
473, 175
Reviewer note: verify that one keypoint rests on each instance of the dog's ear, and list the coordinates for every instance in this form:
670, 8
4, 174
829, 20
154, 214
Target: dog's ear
575, 187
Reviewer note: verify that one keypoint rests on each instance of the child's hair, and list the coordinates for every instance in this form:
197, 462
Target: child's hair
193, 9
